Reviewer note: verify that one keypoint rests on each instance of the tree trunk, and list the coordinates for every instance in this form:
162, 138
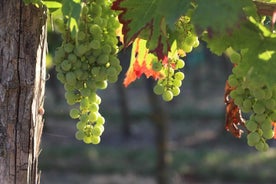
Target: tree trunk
160, 119
22, 82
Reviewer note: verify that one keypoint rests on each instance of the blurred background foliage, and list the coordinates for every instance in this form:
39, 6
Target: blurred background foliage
198, 149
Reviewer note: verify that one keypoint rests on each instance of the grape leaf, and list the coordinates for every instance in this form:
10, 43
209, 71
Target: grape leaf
71, 10
140, 63
218, 15
151, 18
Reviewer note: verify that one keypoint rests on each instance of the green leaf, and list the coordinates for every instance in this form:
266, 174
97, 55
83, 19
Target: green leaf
71, 10
218, 15
150, 17
52, 4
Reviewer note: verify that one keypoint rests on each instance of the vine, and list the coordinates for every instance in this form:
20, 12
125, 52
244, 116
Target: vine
162, 32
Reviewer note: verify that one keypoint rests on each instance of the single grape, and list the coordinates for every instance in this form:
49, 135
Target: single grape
268, 133
179, 76
158, 89
80, 125
253, 138
74, 113
175, 91
95, 139
87, 139
79, 135
251, 125
157, 66
68, 47
180, 63
259, 107
167, 96
235, 57
270, 104
260, 146
93, 116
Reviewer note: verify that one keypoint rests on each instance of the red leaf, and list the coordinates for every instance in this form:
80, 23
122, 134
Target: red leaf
140, 64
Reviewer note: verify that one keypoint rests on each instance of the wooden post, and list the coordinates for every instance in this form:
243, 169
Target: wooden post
22, 82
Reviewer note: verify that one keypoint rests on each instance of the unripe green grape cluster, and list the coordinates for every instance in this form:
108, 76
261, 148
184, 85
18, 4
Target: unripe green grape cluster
257, 100
85, 63
169, 86
185, 35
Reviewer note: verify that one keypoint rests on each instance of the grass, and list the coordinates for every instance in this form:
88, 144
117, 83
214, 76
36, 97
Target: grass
202, 164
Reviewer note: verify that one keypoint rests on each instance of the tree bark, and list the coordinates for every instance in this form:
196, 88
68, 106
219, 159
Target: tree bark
22, 82
161, 121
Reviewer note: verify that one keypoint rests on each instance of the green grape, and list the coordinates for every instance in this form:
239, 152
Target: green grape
187, 48
259, 94
238, 100
59, 55
260, 146
74, 113
103, 59
86, 63
111, 71
266, 125
235, 57
253, 138
95, 44
96, 30
66, 65
259, 107
96, 10
251, 125
100, 120
81, 36
260, 117
98, 130
98, 99
273, 116
232, 79
101, 84
270, 104
84, 117
106, 49
86, 92
71, 97
72, 57
180, 63
84, 104
167, 96
196, 43
190, 40
175, 91
80, 125
93, 116
179, 76
246, 105
79, 135
71, 78
158, 89
177, 83
68, 47
87, 139
268, 133
94, 107
157, 66
95, 139
61, 77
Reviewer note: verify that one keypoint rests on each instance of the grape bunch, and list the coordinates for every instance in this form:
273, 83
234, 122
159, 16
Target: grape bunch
169, 86
185, 35
85, 63
257, 100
